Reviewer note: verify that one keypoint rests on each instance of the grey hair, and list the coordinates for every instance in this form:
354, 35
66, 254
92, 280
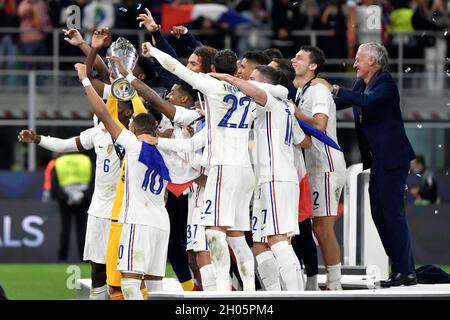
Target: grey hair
378, 52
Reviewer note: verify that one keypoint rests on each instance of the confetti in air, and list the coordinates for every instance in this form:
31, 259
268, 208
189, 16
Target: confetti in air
407, 70
423, 34
406, 187
139, 6
123, 9
447, 73
436, 212
419, 126
445, 33
439, 146
419, 175
295, 3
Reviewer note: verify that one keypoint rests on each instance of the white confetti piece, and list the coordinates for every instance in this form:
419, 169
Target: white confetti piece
419, 126
139, 6
419, 175
407, 70
123, 9
439, 146
436, 212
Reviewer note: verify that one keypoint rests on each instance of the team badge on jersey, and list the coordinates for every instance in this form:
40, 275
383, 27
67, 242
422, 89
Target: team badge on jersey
110, 148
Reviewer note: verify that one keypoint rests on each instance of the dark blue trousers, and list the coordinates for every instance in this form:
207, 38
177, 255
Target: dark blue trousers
387, 190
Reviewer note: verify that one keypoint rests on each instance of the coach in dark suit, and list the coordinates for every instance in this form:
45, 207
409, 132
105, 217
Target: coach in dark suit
385, 149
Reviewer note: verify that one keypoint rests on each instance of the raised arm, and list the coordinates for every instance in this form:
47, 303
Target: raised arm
98, 41
97, 104
73, 36
149, 23
50, 143
182, 33
200, 81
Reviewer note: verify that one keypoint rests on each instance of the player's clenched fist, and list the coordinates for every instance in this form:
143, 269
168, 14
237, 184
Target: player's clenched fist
81, 69
27, 136
146, 46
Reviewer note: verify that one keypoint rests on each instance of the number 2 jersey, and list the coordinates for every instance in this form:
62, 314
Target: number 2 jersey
107, 169
227, 113
143, 201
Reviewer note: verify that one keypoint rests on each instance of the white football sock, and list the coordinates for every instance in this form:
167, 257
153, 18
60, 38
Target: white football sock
208, 278
268, 271
154, 285
298, 269
244, 260
220, 257
131, 289
334, 277
312, 284
100, 293
286, 265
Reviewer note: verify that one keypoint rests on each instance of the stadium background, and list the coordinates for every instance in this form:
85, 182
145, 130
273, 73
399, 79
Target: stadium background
44, 84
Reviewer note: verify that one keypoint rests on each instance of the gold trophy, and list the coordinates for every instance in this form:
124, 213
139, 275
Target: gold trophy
122, 48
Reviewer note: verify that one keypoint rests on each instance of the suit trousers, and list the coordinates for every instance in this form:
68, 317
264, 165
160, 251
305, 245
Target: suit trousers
387, 192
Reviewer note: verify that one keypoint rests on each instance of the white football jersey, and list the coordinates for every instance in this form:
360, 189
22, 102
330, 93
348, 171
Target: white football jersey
107, 169
184, 118
165, 124
320, 157
143, 201
276, 132
227, 112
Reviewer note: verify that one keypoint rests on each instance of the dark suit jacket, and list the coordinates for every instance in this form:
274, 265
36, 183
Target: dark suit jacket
381, 133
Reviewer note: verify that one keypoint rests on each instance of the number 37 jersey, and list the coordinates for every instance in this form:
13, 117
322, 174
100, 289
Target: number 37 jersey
227, 123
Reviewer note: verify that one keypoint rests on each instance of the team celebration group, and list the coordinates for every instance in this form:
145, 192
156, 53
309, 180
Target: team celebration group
229, 136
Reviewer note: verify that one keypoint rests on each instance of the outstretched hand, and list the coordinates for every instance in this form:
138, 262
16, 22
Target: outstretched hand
147, 21
99, 37
73, 36
27, 136
81, 69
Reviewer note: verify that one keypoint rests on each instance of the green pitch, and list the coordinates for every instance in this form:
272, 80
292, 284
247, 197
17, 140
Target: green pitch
42, 281
48, 281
